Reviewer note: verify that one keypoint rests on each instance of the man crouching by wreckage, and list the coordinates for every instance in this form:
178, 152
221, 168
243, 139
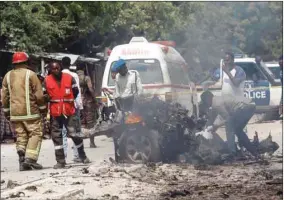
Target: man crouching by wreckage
236, 113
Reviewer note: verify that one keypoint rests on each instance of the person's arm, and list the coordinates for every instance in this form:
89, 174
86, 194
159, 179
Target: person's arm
139, 85
5, 98
78, 100
75, 88
45, 94
223, 113
38, 92
239, 77
211, 115
116, 90
90, 87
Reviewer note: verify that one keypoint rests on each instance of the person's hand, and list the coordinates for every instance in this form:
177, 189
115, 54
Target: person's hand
208, 135
7, 116
205, 134
225, 68
209, 128
104, 89
43, 112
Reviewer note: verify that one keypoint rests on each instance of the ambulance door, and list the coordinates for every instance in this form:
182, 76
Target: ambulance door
180, 84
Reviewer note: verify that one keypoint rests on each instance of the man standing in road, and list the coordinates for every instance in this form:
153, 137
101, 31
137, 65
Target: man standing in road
89, 117
66, 63
62, 90
23, 103
233, 85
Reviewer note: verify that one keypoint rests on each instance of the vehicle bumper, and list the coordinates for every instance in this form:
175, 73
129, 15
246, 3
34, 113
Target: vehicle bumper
266, 109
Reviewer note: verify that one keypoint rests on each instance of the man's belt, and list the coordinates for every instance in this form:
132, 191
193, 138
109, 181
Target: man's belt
58, 100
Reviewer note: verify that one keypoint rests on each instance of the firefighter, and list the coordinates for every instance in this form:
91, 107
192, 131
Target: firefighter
235, 113
62, 91
23, 104
89, 117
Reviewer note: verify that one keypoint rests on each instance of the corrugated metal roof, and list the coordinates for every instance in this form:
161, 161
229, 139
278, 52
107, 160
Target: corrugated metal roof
59, 56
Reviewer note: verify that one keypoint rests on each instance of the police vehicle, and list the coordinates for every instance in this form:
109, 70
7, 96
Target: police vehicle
260, 84
275, 69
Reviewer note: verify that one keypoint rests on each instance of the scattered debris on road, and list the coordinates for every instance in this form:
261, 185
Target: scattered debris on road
107, 180
11, 184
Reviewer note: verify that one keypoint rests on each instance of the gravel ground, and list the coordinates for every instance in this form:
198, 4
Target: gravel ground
103, 179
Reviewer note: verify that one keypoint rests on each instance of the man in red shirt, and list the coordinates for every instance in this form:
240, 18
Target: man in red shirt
63, 90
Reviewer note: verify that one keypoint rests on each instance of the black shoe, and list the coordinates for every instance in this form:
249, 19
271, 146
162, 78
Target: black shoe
32, 164
77, 160
24, 167
59, 166
86, 161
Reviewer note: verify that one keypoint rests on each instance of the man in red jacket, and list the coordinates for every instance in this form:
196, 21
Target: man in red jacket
62, 90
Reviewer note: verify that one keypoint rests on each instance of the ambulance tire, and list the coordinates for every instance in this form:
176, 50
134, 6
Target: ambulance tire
151, 151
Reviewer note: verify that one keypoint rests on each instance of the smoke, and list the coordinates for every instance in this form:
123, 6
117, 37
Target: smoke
253, 28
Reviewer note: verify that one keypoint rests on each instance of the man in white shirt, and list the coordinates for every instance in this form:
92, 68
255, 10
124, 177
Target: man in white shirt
66, 62
127, 83
233, 85
233, 77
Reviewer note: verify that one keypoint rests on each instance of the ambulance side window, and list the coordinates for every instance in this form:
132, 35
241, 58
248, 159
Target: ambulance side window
177, 75
251, 70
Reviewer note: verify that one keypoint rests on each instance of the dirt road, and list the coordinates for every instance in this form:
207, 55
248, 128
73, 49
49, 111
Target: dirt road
107, 180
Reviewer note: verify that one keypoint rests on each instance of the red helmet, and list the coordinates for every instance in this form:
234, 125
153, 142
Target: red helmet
20, 57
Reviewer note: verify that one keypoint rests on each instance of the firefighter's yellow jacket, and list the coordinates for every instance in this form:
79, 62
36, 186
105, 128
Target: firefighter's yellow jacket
22, 95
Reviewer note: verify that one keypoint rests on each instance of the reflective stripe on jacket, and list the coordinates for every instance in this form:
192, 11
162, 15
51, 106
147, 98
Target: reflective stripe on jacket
61, 97
22, 95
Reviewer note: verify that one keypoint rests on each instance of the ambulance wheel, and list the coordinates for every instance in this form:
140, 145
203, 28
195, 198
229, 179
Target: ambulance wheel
140, 147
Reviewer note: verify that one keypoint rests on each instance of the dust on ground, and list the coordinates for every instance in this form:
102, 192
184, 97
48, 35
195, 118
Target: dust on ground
108, 180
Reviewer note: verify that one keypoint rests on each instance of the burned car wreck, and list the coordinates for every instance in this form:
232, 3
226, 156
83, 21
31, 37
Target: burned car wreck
152, 130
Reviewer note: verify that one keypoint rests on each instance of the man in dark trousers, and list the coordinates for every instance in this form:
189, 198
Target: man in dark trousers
63, 90
235, 112
89, 117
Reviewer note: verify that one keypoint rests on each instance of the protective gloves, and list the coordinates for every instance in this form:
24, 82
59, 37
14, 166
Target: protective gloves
206, 133
209, 128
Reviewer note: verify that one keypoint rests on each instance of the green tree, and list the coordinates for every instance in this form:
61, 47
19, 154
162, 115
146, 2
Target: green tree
261, 28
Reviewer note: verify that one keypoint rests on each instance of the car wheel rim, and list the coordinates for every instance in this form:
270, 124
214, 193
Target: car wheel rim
138, 148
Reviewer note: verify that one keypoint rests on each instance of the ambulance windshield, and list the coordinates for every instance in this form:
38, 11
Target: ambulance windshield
149, 70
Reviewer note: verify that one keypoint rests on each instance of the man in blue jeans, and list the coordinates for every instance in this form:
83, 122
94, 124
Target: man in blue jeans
235, 112
66, 63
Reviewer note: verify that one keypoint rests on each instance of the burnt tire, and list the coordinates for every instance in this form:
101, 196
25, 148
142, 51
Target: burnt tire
140, 147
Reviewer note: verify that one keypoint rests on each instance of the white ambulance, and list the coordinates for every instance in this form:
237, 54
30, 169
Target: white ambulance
162, 70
